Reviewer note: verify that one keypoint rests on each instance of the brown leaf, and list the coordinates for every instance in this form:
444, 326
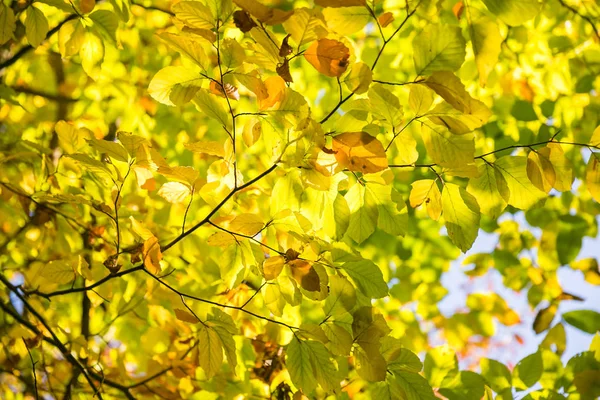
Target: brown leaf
87, 6
243, 21
285, 48
385, 19
360, 152
267, 15
304, 273
328, 56
232, 92
291, 255
186, 316
283, 71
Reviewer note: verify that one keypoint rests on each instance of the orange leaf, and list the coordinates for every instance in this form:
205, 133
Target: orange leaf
275, 87
360, 152
329, 57
304, 273
385, 19
458, 9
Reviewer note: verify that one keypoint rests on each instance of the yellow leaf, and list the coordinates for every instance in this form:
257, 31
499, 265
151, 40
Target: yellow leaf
523, 194
359, 78
70, 38
451, 89
212, 148
562, 166
186, 316
272, 267
328, 56
420, 99
221, 239
426, 191
7, 23
446, 149
360, 152
486, 41
247, 224
540, 170
70, 138
152, 255
140, 229
174, 192
595, 140
490, 190
592, 176
461, 213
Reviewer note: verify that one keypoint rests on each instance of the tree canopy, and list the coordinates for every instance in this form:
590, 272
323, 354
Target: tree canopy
241, 199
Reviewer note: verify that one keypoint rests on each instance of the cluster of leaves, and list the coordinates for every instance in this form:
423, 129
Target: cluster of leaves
223, 198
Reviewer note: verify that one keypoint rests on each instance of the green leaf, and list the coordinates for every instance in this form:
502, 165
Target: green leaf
209, 104
59, 271
114, 150
523, 111
440, 364
528, 371
390, 219
368, 278
363, 213
544, 318
413, 386
523, 194
446, 149
106, 22
496, 374
210, 355
36, 26
490, 190
299, 366
585, 320
461, 213
342, 296
438, 48
324, 368
514, 12
386, 104
466, 385
340, 339
7, 23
